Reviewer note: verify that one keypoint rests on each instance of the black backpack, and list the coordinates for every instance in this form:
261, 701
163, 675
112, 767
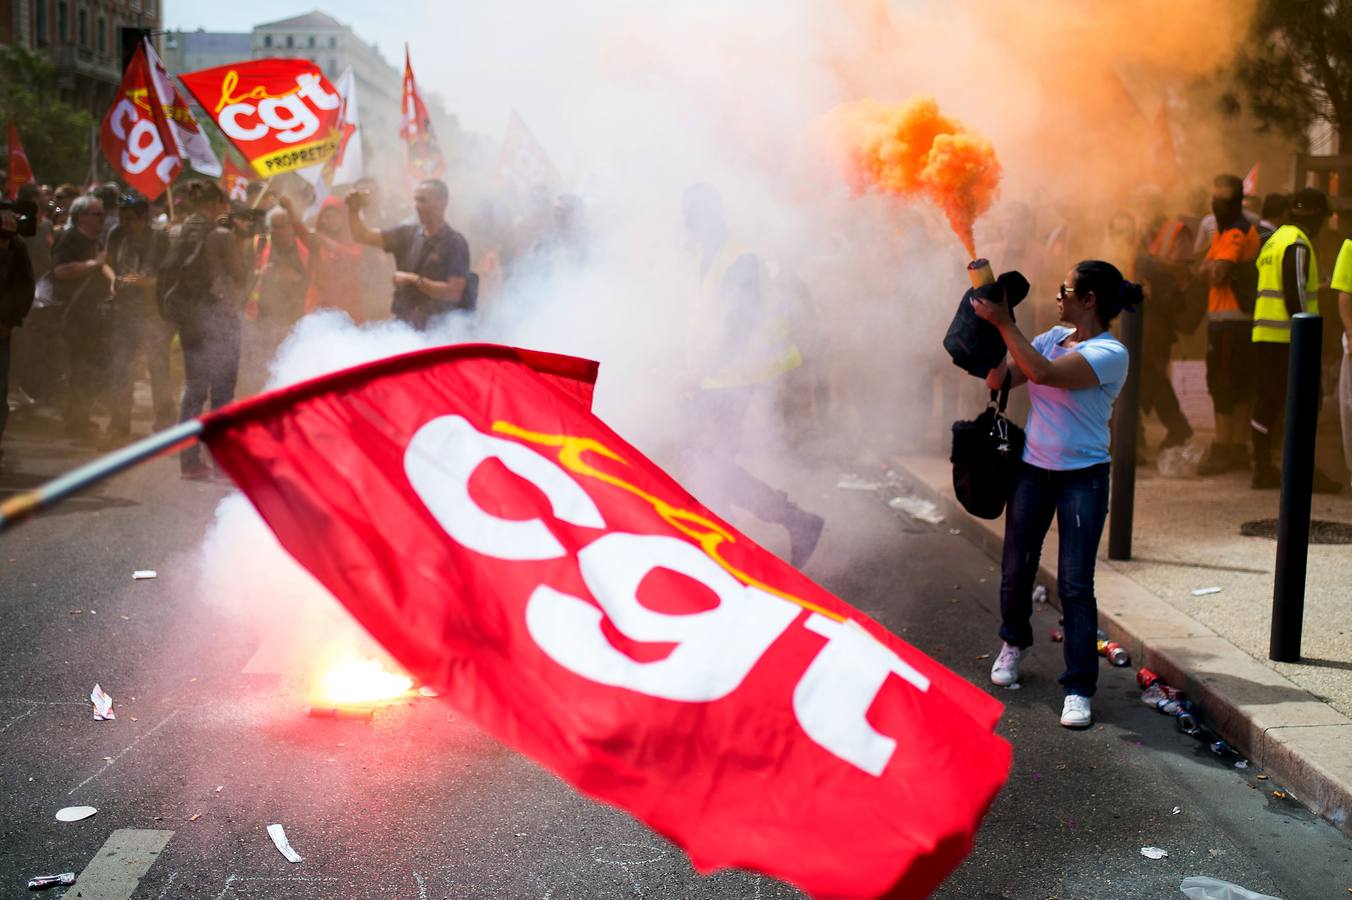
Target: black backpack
183, 283
986, 453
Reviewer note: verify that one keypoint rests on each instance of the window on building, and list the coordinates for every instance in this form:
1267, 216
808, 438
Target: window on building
40, 23
267, 40
102, 35
333, 67
290, 41
333, 41
62, 22
311, 41
82, 27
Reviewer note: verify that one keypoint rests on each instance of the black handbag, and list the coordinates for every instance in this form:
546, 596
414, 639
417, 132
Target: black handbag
986, 453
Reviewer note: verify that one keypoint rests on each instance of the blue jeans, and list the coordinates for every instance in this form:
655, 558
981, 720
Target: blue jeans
1079, 500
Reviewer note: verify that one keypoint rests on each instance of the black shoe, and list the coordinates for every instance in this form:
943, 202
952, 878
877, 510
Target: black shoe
1266, 478
1239, 455
1326, 485
803, 536
1219, 458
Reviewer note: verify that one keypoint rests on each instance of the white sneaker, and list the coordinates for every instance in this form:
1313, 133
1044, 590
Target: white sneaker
1075, 713
1006, 669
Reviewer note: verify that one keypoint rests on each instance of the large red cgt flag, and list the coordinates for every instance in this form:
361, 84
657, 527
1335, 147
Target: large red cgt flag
512, 551
135, 136
280, 114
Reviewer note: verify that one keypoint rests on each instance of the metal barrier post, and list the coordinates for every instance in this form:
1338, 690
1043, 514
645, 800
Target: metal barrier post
1293, 522
1126, 420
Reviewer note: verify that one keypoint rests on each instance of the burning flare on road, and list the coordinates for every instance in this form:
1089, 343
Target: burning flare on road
913, 150
355, 682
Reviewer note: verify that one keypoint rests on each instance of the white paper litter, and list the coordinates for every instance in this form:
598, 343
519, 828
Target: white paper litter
278, 835
1202, 592
1040, 594
74, 813
1241, 764
1154, 853
144, 574
917, 508
1175, 811
850, 482
103, 705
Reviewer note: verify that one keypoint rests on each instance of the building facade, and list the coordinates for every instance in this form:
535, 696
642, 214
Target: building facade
190, 51
82, 39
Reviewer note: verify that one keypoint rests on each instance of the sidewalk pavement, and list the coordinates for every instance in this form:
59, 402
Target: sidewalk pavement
1293, 720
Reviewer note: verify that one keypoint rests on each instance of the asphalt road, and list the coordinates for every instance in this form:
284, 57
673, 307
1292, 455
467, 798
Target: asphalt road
419, 804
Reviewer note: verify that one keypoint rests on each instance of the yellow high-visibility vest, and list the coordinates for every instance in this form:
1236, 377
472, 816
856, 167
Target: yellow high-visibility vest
1271, 323
763, 354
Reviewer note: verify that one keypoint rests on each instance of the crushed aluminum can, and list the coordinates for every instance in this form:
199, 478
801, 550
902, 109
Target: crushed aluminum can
42, 882
1114, 652
1057, 635
1187, 718
1145, 678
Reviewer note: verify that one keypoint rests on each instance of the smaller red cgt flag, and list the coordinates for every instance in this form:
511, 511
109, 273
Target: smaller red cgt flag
415, 128
280, 114
135, 136
20, 172
235, 181
561, 590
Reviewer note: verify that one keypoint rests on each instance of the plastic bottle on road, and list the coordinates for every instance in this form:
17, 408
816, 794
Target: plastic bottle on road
1200, 887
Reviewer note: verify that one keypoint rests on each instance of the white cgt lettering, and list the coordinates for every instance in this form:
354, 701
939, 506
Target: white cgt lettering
832, 699
230, 123
439, 461
715, 649
289, 117
143, 146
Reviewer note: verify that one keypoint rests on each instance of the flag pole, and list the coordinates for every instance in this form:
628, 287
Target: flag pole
169, 189
23, 505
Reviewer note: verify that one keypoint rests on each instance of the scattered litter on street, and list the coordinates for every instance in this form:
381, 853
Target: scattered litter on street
1057, 635
984, 656
852, 482
278, 835
1280, 795
144, 575
1175, 811
74, 813
1262, 778
1013, 687
219, 788
1154, 852
1241, 764
340, 712
103, 705
1114, 652
955, 531
1040, 594
194, 817
42, 882
1201, 887
917, 508
1204, 591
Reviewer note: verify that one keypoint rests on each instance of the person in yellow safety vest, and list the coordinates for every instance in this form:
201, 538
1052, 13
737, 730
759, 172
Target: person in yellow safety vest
1342, 283
739, 343
1288, 283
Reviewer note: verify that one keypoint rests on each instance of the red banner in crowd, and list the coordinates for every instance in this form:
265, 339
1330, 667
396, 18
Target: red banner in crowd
235, 181
561, 590
20, 172
135, 136
281, 114
415, 128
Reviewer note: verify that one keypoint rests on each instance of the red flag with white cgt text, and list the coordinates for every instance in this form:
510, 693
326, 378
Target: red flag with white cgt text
510, 550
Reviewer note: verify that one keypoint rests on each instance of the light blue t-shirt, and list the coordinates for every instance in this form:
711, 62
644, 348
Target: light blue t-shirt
1069, 429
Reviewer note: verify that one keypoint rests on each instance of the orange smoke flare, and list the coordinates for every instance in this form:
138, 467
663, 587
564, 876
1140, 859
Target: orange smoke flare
911, 150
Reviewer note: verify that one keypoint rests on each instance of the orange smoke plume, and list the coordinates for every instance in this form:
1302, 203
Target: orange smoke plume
913, 150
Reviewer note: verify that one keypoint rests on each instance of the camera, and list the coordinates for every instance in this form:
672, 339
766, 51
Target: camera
26, 212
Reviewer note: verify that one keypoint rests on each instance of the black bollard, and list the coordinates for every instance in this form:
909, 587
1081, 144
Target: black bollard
1293, 521
1126, 419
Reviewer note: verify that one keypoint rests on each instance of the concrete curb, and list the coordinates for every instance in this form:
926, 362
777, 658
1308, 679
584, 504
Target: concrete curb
1304, 744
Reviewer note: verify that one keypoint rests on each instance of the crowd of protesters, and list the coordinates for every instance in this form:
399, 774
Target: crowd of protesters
195, 296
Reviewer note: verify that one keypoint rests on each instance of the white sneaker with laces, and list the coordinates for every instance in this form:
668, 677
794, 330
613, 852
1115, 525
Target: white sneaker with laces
1005, 671
1075, 713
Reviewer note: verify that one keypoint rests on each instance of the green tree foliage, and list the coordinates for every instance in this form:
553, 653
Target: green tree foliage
54, 135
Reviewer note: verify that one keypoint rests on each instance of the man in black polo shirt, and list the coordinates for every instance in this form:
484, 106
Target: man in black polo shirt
431, 257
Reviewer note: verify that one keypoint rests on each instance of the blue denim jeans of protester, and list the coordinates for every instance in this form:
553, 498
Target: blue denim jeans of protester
1079, 500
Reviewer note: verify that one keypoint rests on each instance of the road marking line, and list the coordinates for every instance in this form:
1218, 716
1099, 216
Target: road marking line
109, 764
422, 886
23, 715
230, 881
121, 863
